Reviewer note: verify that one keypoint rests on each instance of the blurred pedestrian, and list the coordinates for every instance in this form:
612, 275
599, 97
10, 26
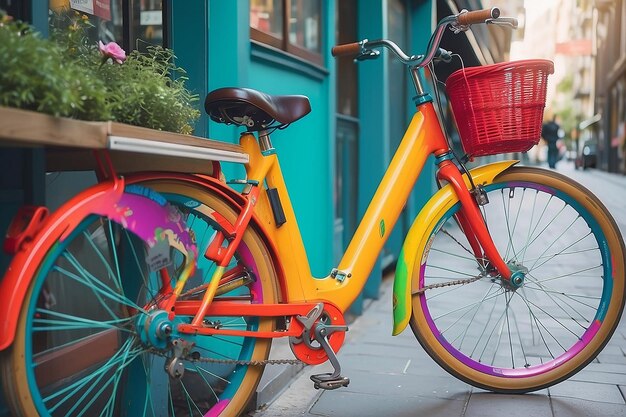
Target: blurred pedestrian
550, 131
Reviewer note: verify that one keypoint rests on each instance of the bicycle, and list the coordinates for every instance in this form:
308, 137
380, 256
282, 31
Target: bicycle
160, 293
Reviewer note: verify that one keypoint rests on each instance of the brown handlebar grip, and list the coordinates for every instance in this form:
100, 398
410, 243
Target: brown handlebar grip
348, 49
478, 16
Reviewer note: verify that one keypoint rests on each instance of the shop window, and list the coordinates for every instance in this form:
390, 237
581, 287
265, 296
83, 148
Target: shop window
133, 24
293, 26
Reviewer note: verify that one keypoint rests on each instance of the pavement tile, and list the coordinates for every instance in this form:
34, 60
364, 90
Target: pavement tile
372, 363
407, 385
590, 391
388, 362
485, 404
609, 358
600, 377
413, 351
569, 407
352, 404
613, 368
613, 349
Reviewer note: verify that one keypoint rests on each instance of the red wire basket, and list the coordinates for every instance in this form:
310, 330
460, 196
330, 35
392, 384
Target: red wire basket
499, 108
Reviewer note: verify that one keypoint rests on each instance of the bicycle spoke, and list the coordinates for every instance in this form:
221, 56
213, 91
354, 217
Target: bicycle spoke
468, 325
572, 297
115, 276
454, 254
570, 274
511, 233
554, 242
190, 402
91, 379
76, 323
471, 305
89, 280
554, 300
540, 325
519, 338
119, 298
199, 371
554, 255
530, 225
554, 319
114, 381
563, 253
499, 335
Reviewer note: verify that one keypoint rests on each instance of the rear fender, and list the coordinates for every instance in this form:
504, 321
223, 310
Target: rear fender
419, 233
158, 223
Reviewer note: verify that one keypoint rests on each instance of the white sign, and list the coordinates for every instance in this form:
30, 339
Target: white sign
85, 6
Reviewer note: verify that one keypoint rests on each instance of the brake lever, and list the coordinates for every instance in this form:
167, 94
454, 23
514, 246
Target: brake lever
503, 21
443, 55
367, 54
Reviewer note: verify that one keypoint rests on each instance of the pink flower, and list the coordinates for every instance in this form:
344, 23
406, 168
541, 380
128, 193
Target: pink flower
113, 51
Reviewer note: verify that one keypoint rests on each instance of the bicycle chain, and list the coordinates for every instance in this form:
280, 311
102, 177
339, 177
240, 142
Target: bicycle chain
250, 363
234, 361
298, 361
450, 283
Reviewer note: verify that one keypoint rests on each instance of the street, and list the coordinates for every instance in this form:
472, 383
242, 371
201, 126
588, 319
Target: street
393, 376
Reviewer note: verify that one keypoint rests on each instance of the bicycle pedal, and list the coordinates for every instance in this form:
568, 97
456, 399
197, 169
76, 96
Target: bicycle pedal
325, 381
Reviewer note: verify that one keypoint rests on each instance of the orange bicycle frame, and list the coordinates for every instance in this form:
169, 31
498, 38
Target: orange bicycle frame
341, 287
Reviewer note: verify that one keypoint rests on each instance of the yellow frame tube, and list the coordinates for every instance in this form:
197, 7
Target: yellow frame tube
373, 230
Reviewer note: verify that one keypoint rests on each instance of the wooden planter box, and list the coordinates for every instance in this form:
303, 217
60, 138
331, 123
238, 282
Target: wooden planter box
69, 143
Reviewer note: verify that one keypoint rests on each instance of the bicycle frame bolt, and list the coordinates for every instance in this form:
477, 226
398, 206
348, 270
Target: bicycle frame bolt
166, 329
517, 279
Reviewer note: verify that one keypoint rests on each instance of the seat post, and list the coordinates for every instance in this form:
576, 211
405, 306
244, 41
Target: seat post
266, 143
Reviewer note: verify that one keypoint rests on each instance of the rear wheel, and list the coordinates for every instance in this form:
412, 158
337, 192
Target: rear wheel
518, 338
85, 343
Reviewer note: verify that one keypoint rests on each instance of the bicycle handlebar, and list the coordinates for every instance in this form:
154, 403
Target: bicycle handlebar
477, 16
365, 49
347, 49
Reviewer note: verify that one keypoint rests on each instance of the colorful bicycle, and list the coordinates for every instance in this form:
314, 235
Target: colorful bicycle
160, 293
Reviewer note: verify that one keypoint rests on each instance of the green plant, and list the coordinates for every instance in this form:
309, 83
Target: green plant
69, 75
35, 74
144, 92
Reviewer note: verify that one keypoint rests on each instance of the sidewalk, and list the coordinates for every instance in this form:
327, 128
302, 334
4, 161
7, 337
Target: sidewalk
393, 376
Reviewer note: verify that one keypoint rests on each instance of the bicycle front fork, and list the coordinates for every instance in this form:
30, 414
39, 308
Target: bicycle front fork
473, 225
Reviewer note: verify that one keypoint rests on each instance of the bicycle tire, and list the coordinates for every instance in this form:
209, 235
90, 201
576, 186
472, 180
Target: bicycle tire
124, 377
511, 339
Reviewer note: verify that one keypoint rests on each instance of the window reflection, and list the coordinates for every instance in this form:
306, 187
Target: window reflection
304, 24
290, 25
109, 18
267, 16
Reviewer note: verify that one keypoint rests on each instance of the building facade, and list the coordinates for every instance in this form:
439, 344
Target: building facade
609, 125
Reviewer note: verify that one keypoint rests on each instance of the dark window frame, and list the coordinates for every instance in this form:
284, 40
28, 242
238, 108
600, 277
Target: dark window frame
283, 43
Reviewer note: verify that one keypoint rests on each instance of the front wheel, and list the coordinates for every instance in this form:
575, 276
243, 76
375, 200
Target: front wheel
520, 338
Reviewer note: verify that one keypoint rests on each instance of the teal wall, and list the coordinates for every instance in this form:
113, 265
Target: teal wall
220, 54
423, 21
